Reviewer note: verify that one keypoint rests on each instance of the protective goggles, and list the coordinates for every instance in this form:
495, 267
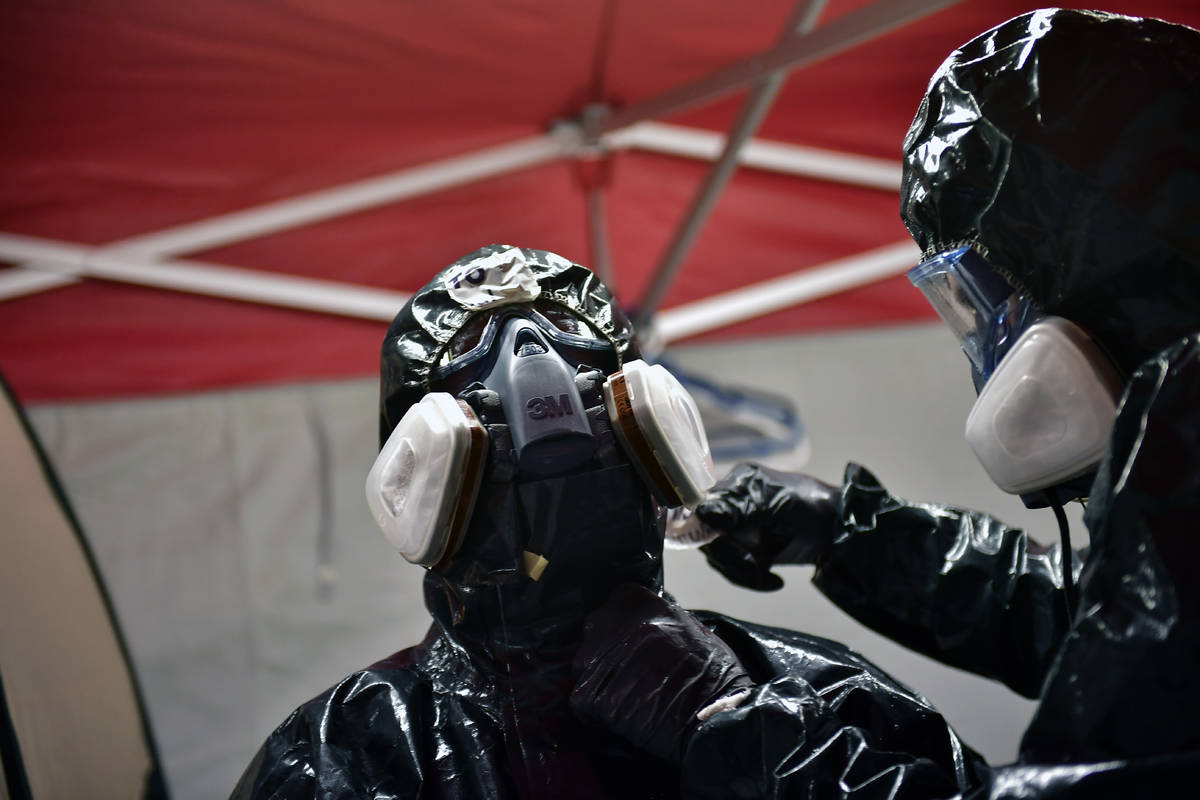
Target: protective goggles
468, 351
985, 312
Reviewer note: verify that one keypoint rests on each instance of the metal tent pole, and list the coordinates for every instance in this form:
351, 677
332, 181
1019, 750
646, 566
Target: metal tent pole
594, 174
348, 198
38, 278
777, 294
840, 34
763, 154
44, 265
70, 261
753, 112
598, 252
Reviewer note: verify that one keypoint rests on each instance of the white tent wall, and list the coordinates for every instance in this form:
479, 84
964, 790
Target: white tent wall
247, 575
233, 534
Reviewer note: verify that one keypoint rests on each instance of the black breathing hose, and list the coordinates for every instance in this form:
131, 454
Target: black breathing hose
1064, 533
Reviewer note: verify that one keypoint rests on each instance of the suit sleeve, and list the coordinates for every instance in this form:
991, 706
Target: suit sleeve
956, 585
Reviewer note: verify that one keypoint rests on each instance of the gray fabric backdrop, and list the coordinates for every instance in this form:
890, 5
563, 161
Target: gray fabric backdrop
233, 534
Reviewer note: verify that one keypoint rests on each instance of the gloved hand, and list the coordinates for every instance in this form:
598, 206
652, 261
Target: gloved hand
647, 667
766, 518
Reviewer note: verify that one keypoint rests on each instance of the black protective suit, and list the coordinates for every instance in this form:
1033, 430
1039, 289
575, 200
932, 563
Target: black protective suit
445, 719
484, 707
1120, 685
1065, 147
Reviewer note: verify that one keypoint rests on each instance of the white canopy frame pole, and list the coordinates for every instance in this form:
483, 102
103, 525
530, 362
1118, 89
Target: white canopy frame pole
45, 265
595, 196
772, 156
778, 294
31, 279
65, 262
598, 251
780, 157
754, 111
346, 199
840, 34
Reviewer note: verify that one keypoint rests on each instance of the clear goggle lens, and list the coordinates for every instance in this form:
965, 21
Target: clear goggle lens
574, 338
980, 307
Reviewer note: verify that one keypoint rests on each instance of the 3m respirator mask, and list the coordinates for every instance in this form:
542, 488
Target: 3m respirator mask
1047, 395
526, 352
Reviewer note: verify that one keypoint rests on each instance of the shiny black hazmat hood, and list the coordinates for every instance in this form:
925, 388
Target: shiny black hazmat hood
1065, 146
419, 334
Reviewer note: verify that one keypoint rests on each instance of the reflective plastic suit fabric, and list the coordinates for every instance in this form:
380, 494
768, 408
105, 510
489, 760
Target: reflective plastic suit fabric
1119, 687
1065, 146
443, 719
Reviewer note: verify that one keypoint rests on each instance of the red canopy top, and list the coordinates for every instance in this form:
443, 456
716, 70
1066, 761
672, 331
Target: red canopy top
124, 119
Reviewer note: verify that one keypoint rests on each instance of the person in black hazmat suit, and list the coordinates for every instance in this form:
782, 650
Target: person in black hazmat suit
1052, 178
501, 698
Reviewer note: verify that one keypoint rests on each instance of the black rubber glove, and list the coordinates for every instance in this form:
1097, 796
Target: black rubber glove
647, 667
767, 518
